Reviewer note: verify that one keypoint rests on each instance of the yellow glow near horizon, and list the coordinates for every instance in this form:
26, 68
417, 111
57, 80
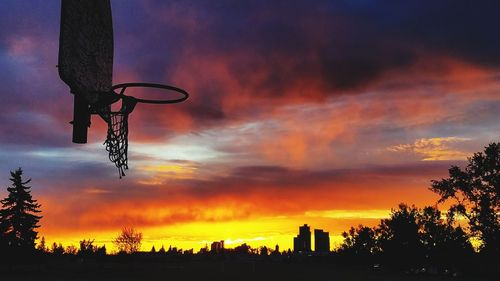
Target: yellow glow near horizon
162, 172
256, 232
345, 214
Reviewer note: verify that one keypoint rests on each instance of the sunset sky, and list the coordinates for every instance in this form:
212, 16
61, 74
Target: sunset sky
328, 113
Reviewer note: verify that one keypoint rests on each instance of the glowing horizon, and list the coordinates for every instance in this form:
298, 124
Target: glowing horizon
269, 232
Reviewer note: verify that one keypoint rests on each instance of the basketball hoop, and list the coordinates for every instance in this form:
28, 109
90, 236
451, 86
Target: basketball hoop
85, 64
124, 87
117, 137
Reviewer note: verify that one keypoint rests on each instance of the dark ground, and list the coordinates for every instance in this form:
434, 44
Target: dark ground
205, 270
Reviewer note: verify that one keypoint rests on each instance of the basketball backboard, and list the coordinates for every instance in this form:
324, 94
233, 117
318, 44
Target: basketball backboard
86, 57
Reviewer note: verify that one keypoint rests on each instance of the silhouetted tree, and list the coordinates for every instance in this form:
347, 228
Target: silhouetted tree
101, 251
153, 250
242, 249
57, 249
264, 251
129, 241
410, 237
87, 248
71, 250
475, 191
359, 243
3, 237
399, 238
41, 246
18, 219
162, 250
442, 242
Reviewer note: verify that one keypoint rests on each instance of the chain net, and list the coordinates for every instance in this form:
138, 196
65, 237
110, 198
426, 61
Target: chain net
117, 140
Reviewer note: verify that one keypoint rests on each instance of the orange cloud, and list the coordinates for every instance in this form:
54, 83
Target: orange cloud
434, 149
232, 199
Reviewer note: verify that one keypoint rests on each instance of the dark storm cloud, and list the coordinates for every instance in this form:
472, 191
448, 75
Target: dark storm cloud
260, 179
459, 28
374, 34
338, 46
333, 46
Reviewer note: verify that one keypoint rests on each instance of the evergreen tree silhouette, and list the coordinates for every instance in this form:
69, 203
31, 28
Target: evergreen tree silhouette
42, 247
18, 219
162, 250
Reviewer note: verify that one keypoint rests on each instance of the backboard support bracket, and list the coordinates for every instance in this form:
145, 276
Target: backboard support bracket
81, 118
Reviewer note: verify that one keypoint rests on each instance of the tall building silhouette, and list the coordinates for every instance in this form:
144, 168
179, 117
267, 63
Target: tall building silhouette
302, 242
321, 241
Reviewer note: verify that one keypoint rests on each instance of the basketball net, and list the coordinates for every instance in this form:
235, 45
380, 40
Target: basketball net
117, 138
117, 141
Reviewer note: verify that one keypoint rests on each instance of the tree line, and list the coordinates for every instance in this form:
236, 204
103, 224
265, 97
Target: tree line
19, 221
410, 237
413, 237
